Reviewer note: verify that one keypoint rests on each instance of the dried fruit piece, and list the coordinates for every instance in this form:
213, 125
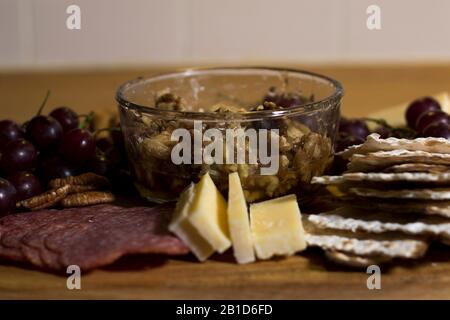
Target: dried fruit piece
45, 200
87, 198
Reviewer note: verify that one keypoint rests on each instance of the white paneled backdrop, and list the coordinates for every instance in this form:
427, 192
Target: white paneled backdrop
33, 33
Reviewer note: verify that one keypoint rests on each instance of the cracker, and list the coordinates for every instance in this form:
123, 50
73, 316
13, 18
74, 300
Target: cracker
428, 194
327, 180
380, 160
417, 167
415, 177
348, 219
405, 206
352, 260
373, 143
399, 248
392, 245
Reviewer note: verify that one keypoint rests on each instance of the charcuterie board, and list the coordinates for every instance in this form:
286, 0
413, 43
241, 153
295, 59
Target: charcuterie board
305, 276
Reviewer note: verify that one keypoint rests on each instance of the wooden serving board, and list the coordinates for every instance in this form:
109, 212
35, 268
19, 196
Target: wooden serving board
305, 276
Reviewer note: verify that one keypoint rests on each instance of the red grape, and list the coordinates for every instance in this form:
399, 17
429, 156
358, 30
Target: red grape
66, 117
285, 100
116, 157
7, 196
9, 131
54, 167
439, 130
418, 107
431, 117
101, 165
347, 141
45, 132
118, 139
27, 185
383, 132
104, 143
354, 127
78, 146
19, 155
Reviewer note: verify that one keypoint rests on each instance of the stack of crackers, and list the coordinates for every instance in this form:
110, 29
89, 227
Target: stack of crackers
394, 200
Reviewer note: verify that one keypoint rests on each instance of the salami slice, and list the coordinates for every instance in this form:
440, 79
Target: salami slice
89, 237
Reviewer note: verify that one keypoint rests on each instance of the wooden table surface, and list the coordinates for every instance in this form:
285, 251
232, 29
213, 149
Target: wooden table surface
306, 276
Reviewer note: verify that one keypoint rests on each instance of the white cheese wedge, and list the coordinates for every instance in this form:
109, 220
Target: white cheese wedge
276, 227
395, 115
238, 221
208, 214
182, 227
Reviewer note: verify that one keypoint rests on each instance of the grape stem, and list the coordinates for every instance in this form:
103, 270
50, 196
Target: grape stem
380, 122
87, 121
402, 132
43, 103
96, 132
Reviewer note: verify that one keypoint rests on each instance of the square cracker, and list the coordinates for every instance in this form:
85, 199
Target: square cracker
392, 245
374, 143
417, 167
442, 178
380, 160
425, 194
355, 261
403, 207
376, 222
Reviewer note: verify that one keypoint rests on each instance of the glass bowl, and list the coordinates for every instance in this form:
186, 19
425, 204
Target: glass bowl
299, 111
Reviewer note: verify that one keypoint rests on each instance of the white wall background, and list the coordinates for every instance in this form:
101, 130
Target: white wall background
33, 33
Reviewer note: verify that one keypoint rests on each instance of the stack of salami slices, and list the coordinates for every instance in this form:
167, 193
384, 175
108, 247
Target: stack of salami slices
394, 199
89, 237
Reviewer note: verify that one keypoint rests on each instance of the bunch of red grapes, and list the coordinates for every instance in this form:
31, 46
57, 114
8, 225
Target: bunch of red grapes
424, 117
48, 147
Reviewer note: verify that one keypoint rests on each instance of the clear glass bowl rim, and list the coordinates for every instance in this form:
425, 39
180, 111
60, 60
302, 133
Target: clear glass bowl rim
246, 116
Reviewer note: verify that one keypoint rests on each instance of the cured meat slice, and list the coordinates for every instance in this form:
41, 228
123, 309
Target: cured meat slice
89, 237
35, 239
14, 228
137, 231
